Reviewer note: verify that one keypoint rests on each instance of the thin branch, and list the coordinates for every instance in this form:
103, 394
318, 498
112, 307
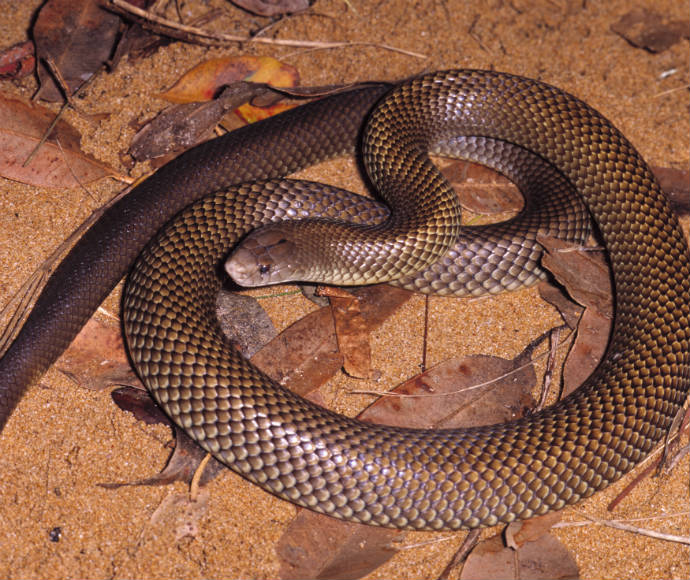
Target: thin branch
637, 530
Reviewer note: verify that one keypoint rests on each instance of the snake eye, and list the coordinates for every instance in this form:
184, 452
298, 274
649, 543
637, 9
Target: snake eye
264, 269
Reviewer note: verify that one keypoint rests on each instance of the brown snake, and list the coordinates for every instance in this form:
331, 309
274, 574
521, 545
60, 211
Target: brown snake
348, 469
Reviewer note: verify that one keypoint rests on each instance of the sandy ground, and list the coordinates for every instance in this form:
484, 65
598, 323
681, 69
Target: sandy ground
64, 440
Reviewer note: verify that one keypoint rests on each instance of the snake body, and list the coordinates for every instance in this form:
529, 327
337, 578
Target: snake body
315, 458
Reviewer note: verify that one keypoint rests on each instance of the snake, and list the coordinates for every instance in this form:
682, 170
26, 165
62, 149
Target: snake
313, 457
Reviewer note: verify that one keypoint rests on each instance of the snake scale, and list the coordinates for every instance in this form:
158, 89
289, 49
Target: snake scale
380, 475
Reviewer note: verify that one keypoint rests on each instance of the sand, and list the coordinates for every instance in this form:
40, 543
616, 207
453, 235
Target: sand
63, 440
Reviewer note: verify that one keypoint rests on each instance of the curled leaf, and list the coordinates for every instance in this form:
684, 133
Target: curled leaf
203, 82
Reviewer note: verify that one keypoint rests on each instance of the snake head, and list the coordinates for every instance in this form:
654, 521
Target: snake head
266, 256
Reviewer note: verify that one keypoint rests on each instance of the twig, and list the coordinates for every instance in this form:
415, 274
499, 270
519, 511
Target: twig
637, 530
426, 333
196, 478
201, 36
554, 337
460, 556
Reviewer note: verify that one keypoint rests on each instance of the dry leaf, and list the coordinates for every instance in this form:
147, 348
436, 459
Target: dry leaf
462, 392
57, 163
272, 7
78, 36
312, 547
244, 323
136, 400
480, 189
179, 514
185, 458
318, 546
96, 359
17, 61
676, 186
648, 29
351, 331
570, 311
545, 558
306, 355
584, 273
518, 533
203, 82
589, 347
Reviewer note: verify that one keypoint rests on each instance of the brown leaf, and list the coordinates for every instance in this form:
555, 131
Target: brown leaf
518, 533
244, 322
78, 36
351, 332
648, 29
584, 273
58, 162
569, 310
306, 354
589, 347
185, 458
182, 126
180, 515
544, 558
96, 359
17, 61
480, 189
463, 392
272, 7
137, 401
317, 546
204, 81
676, 185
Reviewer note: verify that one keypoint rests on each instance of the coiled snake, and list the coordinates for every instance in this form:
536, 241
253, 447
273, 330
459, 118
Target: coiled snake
318, 459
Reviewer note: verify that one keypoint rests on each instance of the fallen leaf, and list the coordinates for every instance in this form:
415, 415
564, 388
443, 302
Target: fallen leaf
589, 347
17, 61
306, 355
58, 162
518, 533
480, 189
137, 401
203, 82
583, 272
676, 186
78, 36
462, 392
317, 546
179, 514
569, 310
182, 126
648, 29
185, 458
271, 8
545, 558
586, 277
96, 358
244, 323
351, 332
